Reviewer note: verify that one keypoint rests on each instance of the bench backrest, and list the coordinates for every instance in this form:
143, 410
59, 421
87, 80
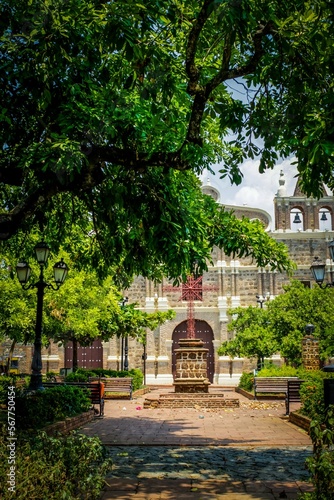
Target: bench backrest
294, 388
117, 382
272, 384
273, 381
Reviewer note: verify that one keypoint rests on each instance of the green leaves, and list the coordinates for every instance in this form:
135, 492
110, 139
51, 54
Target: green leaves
253, 336
281, 325
108, 100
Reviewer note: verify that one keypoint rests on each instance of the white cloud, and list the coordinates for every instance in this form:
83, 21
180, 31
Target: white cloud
256, 190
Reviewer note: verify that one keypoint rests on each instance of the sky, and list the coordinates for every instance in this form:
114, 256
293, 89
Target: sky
256, 190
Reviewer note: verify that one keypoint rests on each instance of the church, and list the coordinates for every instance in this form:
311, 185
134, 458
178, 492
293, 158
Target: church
304, 225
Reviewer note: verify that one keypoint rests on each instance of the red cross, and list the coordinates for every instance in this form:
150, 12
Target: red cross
190, 291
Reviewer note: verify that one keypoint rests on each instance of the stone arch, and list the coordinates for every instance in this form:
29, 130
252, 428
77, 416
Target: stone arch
328, 213
297, 212
204, 332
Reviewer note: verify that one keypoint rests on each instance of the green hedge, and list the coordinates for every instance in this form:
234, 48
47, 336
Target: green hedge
6, 382
312, 395
82, 375
35, 410
246, 381
69, 468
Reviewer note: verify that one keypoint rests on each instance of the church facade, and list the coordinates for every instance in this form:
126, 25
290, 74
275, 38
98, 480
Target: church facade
304, 225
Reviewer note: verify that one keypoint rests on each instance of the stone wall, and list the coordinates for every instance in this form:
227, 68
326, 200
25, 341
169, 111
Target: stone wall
69, 424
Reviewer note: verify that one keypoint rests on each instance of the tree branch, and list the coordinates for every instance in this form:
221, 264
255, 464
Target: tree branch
202, 93
191, 68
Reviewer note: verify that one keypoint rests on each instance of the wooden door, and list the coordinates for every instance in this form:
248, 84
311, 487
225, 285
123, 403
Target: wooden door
88, 357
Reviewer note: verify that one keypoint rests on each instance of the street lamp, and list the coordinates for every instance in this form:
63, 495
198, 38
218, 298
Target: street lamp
261, 299
23, 271
125, 344
318, 268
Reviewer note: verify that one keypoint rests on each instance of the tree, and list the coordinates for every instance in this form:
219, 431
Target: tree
17, 310
85, 309
82, 310
280, 327
113, 106
253, 337
293, 310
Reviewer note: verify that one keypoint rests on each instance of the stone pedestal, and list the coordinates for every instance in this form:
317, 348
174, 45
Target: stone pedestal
310, 353
191, 367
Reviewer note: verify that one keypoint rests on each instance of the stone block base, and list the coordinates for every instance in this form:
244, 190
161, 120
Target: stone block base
191, 385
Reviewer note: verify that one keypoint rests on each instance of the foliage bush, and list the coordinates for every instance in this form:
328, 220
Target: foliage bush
321, 463
137, 378
279, 371
35, 410
312, 394
82, 375
66, 468
247, 381
6, 382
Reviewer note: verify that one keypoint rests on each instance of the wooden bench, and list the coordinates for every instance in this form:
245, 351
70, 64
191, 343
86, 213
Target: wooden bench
292, 393
117, 387
271, 385
95, 392
56, 378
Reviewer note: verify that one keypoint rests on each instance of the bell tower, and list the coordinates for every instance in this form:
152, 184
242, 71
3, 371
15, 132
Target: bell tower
299, 213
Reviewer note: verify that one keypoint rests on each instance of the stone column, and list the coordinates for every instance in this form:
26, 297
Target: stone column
191, 367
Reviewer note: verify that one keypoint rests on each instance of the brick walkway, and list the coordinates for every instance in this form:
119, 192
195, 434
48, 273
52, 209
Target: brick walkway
247, 453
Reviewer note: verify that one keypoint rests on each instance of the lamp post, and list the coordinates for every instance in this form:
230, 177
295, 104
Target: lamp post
125, 344
261, 299
144, 357
318, 268
23, 271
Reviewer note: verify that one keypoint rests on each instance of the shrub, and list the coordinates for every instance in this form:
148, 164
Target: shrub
247, 381
312, 394
69, 468
35, 410
137, 378
321, 464
6, 382
279, 371
82, 375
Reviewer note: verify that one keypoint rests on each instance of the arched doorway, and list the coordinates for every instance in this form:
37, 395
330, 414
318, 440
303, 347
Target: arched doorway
202, 331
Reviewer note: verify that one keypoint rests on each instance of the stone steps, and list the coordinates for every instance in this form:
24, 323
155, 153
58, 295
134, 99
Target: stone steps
180, 395
191, 401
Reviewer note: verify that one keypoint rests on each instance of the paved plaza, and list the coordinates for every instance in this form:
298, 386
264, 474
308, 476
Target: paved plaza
250, 452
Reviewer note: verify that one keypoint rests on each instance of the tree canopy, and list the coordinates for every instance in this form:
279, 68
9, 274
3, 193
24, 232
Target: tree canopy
110, 108
252, 335
82, 310
280, 326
